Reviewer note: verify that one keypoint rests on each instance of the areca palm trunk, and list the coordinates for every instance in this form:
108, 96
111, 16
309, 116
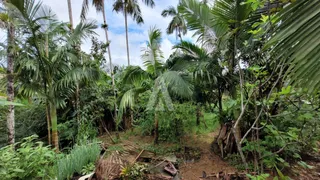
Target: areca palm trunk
110, 59
47, 103
127, 37
156, 128
48, 122
53, 116
54, 122
77, 105
107, 41
10, 84
179, 34
70, 14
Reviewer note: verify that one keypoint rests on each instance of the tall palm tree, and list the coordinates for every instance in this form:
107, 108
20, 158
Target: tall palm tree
177, 23
100, 7
10, 65
161, 81
51, 72
206, 70
132, 8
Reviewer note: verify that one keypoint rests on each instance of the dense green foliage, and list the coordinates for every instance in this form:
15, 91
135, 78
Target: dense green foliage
252, 72
32, 160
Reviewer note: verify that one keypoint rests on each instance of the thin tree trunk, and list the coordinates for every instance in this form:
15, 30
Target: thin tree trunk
156, 128
77, 93
180, 36
48, 123
110, 61
198, 114
127, 38
220, 106
10, 85
107, 41
54, 122
256, 158
70, 14
47, 103
131, 118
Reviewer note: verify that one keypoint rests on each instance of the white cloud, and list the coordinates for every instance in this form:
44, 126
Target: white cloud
138, 34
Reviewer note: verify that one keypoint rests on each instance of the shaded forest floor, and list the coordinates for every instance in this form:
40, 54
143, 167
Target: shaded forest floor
192, 155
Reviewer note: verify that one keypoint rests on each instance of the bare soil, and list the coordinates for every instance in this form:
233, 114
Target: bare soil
208, 163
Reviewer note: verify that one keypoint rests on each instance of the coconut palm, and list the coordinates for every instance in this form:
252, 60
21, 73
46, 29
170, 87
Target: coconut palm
162, 82
177, 23
132, 8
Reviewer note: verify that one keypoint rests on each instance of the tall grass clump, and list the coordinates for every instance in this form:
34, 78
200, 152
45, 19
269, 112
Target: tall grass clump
78, 157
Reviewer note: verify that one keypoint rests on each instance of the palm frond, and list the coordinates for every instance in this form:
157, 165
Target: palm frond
118, 6
134, 74
134, 10
149, 3
296, 42
98, 4
84, 9
178, 83
83, 30
170, 11
152, 54
198, 16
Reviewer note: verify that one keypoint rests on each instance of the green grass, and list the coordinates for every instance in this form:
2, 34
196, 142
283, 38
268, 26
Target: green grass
211, 121
78, 157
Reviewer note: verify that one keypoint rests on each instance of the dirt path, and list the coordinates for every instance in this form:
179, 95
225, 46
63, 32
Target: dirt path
208, 163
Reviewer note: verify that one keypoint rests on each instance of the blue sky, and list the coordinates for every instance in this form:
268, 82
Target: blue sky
138, 34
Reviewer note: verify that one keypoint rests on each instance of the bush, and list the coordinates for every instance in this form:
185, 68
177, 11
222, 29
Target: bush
29, 119
77, 159
134, 172
174, 124
31, 160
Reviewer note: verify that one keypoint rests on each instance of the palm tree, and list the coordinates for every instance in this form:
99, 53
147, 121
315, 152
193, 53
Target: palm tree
100, 7
10, 65
177, 23
51, 72
132, 8
162, 82
224, 27
206, 71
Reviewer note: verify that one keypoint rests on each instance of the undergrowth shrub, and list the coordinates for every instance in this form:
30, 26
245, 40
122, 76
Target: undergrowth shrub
174, 124
77, 159
29, 119
31, 160
134, 172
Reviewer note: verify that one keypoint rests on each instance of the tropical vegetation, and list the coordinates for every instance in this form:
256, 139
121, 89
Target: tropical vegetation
247, 83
